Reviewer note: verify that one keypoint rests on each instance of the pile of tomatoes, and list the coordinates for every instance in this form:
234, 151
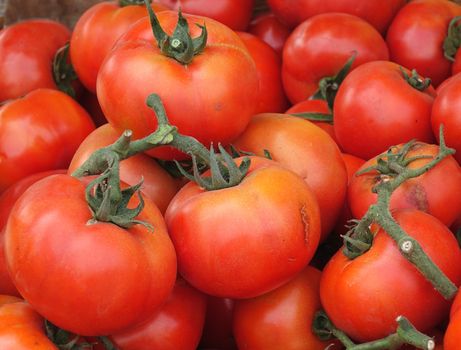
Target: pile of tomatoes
181, 175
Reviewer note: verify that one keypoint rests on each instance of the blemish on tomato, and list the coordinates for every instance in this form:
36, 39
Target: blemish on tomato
305, 220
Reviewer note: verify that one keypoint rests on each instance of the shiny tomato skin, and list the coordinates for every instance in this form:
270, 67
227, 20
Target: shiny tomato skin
267, 27
189, 93
245, 240
271, 94
176, 325
364, 296
280, 319
415, 37
452, 337
235, 14
158, 185
436, 192
96, 32
82, 276
306, 149
27, 50
387, 110
39, 132
320, 46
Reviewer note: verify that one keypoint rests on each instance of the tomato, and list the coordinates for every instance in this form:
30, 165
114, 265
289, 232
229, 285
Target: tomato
235, 14
452, 336
364, 296
377, 13
415, 37
281, 319
245, 240
267, 27
21, 327
446, 111
320, 46
218, 88
83, 276
27, 50
176, 325
305, 149
387, 110
96, 32
436, 192
158, 185
39, 132
271, 95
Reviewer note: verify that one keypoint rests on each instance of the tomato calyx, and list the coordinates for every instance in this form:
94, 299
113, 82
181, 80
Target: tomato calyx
415, 80
180, 45
405, 333
124, 3
315, 117
453, 39
63, 72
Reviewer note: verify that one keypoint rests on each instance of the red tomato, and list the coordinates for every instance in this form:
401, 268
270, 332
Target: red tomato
415, 37
271, 95
321, 46
245, 240
158, 185
27, 50
281, 319
364, 296
267, 27
217, 89
83, 277
377, 12
176, 325
387, 110
96, 32
452, 337
436, 192
39, 132
235, 14
307, 150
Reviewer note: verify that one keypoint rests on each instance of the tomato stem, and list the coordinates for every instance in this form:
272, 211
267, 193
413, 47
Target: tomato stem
452, 41
123, 3
316, 117
415, 80
63, 72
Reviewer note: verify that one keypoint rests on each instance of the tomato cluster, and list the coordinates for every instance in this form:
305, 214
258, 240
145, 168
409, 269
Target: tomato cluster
232, 175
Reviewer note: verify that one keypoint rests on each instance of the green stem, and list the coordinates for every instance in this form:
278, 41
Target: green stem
415, 80
452, 41
315, 117
63, 71
123, 3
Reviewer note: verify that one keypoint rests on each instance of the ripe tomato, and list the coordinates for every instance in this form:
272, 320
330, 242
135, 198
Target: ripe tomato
452, 337
436, 192
364, 296
245, 240
387, 110
83, 276
325, 43
280, 319
267, 27
39, 132
218, 88
27, 50
304, 148
96, 32
176, 325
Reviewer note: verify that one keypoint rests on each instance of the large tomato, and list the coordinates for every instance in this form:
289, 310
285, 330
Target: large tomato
364, 296
387, 110
83, 276
96, 32
320, 46
245, 240
39, 132
210, 98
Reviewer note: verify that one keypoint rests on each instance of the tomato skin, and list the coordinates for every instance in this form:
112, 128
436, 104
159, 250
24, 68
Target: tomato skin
325, 42
280, 319
53, 125
176, 325
415, 37
436, 192
364, 296
452, 337
235, 14
129, 272
243, 241
158, 185
267, 27
27, 50
271, 94
189, 93
387, 110
96, 32
317, 161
